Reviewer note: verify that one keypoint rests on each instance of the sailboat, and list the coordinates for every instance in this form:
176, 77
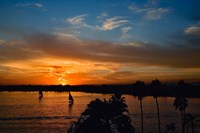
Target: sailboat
71, 99
40, 94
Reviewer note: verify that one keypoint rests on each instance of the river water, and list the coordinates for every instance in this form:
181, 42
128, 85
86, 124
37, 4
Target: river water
24, 112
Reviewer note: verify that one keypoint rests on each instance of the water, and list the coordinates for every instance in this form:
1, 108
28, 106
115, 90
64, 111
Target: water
24, 112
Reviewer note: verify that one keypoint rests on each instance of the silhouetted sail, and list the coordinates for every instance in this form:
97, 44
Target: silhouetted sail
71, 99
40, 94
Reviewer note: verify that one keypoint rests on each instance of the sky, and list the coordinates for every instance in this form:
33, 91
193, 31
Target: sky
99, 42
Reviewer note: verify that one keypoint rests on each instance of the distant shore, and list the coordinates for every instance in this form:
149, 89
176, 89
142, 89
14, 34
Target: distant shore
172, 90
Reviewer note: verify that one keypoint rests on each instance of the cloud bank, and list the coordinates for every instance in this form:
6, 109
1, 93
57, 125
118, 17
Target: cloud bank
48, 45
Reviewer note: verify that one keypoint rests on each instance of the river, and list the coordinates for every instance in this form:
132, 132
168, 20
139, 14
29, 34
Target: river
22, 112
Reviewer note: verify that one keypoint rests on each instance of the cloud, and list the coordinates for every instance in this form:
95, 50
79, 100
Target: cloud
192, 34
120, 77
12, 51
62, 36
58, 58
108, 24
155, 14
77, 20
193, 30
52, 46
113, 23
112, 52
136, 9
150, 13
34, 5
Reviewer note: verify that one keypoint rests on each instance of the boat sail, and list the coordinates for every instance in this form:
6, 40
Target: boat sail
40, 94
71, 99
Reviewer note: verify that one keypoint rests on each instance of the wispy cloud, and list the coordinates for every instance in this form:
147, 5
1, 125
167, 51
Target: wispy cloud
136, 9
193, 30
34, 5
62, 35
155, 14
192, 34
108, 24
150, 13
77, 20
113, 23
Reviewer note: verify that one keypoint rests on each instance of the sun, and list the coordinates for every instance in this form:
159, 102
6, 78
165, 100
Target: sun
63, 83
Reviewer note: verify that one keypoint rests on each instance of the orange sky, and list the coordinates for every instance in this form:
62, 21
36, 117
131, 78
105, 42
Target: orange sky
54, 59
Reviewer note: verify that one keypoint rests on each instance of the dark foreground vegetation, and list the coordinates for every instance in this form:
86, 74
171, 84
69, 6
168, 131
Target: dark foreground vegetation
138, 88
112, 116
104, 116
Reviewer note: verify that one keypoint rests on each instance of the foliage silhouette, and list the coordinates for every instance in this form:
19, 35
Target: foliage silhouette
171, 127
139, 85
156, 85
181, 103
102, 116
191, 123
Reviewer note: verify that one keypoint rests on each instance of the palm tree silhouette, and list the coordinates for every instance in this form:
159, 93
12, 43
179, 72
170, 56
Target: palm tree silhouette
192, 122
139, 85
102, 116
155, 84
119, 114
171, 127
181, 103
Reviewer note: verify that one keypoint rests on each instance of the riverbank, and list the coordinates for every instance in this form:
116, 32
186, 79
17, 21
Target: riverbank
167, 90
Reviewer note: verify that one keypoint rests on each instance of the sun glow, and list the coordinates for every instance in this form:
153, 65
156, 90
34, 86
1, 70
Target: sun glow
63, 83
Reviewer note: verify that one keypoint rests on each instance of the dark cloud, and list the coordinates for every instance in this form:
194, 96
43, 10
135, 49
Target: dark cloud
119, 53
17, 51
40, 45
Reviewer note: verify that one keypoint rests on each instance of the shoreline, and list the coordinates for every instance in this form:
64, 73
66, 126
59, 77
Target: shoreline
164, 90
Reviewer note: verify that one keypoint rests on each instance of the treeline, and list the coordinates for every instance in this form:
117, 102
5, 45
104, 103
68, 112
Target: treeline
155, 88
